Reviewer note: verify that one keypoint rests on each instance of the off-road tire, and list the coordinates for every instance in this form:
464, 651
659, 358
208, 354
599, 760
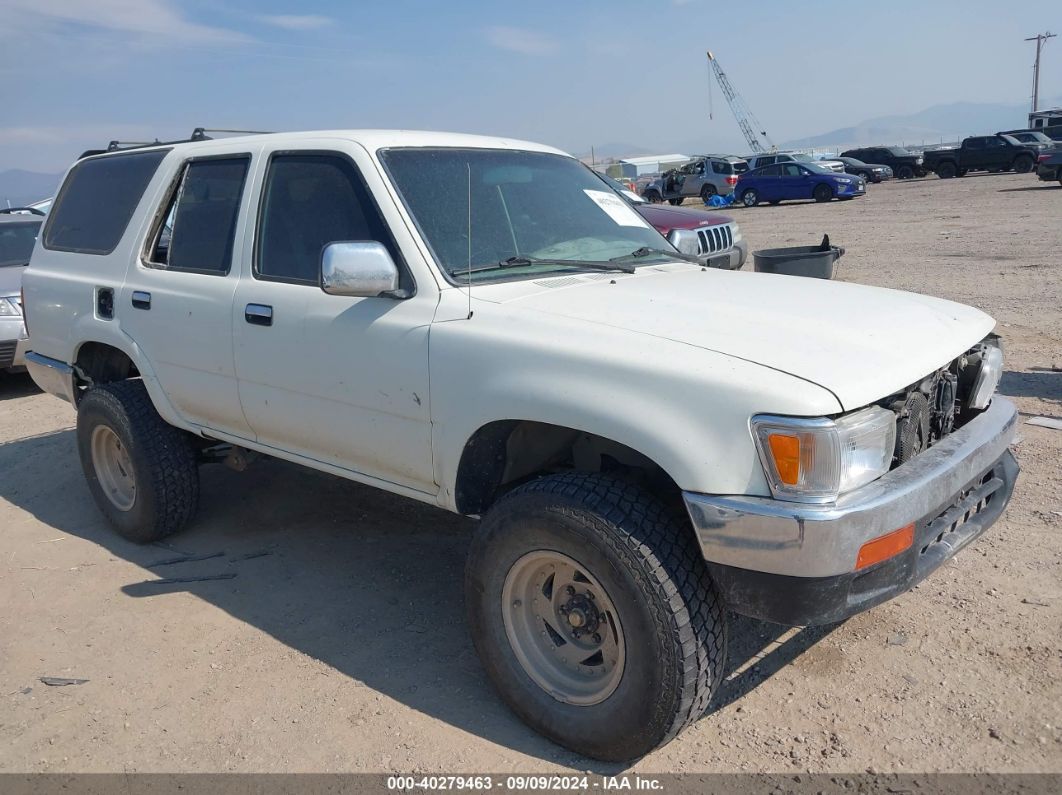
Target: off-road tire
1023, 164
164, 463
905, 172
822, 193
947, 170
671, 616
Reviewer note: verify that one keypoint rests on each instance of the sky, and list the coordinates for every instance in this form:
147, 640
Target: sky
75, 74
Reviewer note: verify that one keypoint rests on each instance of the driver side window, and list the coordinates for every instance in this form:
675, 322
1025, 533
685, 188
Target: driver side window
309, 201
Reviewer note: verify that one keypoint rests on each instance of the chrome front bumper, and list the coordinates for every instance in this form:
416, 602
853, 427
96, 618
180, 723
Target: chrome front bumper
761, 534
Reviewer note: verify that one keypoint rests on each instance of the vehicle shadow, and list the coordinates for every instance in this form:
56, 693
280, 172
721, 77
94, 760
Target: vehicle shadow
366, 582
1043, 186
1042, 383
17, 385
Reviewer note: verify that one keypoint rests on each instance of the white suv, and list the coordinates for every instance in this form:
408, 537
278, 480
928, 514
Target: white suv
483, 325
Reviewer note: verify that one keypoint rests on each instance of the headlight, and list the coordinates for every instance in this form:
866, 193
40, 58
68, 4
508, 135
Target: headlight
987, 378
845, 180
818, 459
735, 231
9, 307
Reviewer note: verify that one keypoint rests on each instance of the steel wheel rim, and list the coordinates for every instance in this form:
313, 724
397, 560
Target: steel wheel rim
574, 654
114, 467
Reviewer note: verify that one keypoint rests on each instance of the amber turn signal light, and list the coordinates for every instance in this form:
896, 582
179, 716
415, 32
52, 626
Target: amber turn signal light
885, 547
785, 450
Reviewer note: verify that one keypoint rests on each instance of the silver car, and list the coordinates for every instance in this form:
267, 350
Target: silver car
17, 235
703, 177
758, 161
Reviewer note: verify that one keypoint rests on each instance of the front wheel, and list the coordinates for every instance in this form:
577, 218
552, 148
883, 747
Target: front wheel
905, 172
822, 193
947, 170
593, 614
652, 197
750, 198
142, 472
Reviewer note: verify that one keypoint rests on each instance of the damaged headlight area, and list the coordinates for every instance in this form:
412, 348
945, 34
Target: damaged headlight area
818, 459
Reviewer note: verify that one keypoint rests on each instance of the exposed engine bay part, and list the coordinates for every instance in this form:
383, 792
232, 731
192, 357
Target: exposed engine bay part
945, 400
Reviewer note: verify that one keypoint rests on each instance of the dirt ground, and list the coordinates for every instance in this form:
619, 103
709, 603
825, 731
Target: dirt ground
343, 647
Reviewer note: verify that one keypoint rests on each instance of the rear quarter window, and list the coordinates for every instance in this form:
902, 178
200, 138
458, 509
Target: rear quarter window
97, 200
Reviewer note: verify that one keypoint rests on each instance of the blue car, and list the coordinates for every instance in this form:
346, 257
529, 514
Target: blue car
785, 181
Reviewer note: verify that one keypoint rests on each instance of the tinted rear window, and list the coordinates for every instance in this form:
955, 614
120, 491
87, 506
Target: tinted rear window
97, 200
16, 242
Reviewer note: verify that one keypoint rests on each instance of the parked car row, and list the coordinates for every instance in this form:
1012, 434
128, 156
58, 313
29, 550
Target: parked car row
18, 233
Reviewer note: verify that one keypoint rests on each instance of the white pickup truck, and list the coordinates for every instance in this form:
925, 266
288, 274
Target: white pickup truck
482, 324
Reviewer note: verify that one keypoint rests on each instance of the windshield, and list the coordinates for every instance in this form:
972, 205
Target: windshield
740, 166
820, 169
477, 207
803, 158
897, 151
16, 242
621, 189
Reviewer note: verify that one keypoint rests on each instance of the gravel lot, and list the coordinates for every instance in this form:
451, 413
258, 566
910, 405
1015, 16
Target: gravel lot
344, 647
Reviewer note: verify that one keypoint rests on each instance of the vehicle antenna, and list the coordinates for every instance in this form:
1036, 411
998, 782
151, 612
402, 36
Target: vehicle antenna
469, 167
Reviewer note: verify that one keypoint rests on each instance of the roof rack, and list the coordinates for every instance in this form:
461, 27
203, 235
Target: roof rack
198, 134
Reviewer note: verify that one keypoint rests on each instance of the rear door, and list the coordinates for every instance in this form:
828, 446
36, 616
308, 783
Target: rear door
795, 182
336, 379
769, 184
176, 303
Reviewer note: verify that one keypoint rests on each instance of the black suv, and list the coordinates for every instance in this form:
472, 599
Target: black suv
904, 164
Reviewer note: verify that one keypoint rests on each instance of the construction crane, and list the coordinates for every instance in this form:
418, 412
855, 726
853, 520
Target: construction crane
745, 118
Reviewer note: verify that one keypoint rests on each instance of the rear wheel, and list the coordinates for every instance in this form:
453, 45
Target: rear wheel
822, 193
593, 614
947, 170
905, 172
707, 192
142, 472
1023, 164
750, 198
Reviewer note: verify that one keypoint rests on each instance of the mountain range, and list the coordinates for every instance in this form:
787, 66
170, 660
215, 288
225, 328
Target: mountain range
19, 188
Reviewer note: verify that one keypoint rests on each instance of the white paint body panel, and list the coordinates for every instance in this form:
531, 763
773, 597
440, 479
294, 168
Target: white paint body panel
671, 361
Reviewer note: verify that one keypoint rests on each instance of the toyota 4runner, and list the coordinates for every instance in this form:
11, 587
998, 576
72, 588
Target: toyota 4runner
481, 324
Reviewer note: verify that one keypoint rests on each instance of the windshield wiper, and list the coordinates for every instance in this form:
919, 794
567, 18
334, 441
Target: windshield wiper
524, 262
645, 251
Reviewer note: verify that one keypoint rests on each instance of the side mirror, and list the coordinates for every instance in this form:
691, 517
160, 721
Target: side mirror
685, 240
358, 269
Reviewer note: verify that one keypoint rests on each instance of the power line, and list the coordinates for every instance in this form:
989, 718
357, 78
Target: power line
1041, 40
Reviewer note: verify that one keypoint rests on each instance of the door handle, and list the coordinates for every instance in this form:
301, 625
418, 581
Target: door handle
141, 299
258, 314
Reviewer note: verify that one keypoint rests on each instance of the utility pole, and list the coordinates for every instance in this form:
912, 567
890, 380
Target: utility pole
1041, 40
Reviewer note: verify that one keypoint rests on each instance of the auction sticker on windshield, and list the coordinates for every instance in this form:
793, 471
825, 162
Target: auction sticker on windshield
616, 208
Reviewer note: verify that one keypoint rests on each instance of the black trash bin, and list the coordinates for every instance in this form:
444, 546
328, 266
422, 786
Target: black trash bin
814, 261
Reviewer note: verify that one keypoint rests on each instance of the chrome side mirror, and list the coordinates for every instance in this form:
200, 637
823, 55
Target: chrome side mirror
362, 269
685, 240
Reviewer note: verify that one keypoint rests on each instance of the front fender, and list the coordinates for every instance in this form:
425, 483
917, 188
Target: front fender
684, 408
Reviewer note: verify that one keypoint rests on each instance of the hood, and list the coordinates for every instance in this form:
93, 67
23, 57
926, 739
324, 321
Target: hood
663, 216
11, 279
861, 343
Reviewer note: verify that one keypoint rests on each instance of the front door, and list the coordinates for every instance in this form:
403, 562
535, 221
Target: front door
336, 379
